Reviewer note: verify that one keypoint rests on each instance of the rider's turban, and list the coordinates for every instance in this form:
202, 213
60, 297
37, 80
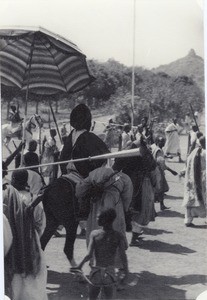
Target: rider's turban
19, 179
80, 117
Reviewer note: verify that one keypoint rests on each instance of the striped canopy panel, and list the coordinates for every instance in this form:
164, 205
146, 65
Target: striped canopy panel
42, 61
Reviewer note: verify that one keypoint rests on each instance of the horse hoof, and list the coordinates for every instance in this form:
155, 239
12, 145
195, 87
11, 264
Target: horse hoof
73, 263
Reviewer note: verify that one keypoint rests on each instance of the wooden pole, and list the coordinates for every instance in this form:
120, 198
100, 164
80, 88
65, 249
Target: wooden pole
118, 154
40, 136
133, 62
49, 121
55, 122
26, 99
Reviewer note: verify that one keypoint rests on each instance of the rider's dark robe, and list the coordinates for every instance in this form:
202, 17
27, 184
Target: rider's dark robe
87, 144
15, 117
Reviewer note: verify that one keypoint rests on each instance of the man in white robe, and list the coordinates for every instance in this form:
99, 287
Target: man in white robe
172, 145
195, 184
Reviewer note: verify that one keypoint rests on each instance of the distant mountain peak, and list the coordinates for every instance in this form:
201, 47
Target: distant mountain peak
192, 65
192, 53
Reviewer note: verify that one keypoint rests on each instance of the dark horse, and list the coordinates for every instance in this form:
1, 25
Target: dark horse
61, 208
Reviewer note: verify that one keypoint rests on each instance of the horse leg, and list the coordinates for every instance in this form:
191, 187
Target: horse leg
71, 230
59, 209
51, 226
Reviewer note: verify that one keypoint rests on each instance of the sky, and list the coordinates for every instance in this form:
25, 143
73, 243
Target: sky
147, 32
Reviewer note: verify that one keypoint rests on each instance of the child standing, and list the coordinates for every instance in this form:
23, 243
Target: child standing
31, 158
103, 244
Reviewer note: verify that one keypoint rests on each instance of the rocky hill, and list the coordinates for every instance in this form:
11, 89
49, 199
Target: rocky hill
191, 65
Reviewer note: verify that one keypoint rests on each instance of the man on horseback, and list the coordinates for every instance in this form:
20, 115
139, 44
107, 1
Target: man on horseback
16, 120
82, 143
14, 116
15, 130
59, 202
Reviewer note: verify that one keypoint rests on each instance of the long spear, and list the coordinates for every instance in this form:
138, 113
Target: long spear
118, 154
194, 117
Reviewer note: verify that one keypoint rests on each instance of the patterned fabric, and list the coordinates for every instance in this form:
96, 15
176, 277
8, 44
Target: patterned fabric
57, 65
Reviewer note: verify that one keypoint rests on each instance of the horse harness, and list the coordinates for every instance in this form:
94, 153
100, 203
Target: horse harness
98, 189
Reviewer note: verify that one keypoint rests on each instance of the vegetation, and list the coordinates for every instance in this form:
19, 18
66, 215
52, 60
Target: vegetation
161, 95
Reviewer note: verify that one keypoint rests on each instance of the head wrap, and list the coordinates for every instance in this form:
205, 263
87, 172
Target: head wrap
202, 141
13, 108
80, 117
127, 127
19, 179
32, 145
159, 138
53, 132
140, 127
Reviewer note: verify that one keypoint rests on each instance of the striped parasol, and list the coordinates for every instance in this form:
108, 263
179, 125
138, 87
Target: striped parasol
42, 62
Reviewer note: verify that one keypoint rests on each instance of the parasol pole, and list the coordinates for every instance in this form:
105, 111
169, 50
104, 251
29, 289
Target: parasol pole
55, 122
119, 154
40, 137
26, 99
49, 122
133, 62
40, 141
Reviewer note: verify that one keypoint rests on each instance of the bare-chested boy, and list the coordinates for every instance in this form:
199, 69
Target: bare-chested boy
103, 244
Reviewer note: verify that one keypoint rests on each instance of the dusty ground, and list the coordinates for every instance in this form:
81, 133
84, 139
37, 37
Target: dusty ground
171, 263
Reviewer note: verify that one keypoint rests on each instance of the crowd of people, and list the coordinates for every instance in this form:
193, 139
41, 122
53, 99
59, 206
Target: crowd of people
112, 197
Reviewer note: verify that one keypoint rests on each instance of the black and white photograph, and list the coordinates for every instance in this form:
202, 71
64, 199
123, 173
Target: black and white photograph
103, 148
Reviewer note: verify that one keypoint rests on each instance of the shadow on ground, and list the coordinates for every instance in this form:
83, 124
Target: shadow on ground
158, 246
150, 286
171, 197
153, 231
64, 286
170, 214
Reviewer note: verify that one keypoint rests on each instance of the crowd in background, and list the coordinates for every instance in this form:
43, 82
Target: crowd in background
122, 193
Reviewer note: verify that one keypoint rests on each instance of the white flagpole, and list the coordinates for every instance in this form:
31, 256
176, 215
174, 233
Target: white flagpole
133, 59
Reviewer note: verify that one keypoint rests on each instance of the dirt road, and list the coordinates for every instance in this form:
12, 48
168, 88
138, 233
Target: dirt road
170, 264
